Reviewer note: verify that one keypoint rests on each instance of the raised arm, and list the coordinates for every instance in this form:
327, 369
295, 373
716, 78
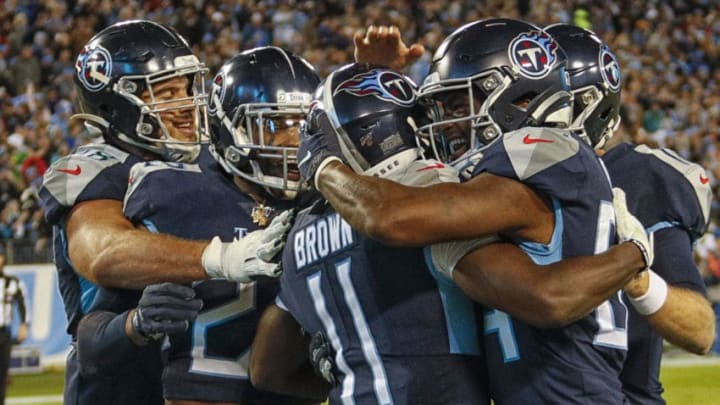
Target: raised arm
384, 46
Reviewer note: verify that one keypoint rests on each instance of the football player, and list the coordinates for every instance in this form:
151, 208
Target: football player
141, 88
354, 291
669, 195
378, 306
258, 100
500, 101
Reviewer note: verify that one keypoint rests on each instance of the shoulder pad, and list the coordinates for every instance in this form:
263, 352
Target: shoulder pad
692, 172
66, 179
532, 150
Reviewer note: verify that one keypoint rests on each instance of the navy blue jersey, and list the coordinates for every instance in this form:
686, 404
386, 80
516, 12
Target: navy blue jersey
396, 339
671, 197
199, 201
581, 362
92, 172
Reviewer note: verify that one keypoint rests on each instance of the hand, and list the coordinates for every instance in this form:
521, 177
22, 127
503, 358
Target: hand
383, 46
638, 285
629, 228
22, 333
318, 145
165, 308
322, 358
249, 258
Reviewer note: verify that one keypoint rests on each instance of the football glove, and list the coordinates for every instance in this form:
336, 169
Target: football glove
629, 228
322, 358
250, 258
165, 308
318, 146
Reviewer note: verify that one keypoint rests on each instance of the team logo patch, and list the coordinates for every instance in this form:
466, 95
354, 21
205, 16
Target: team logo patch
387, 86
609, 69
533, 53
94, 68
218, 92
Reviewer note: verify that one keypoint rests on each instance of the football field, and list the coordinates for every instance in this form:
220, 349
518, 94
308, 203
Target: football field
694, 381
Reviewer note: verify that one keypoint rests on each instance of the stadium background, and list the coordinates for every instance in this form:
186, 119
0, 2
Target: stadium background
669, 52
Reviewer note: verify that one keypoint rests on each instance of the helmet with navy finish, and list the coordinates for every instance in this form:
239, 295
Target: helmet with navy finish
595, 82
121, 78
258, 101
490, 77
372, 111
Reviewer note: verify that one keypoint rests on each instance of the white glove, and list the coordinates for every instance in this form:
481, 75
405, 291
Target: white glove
248, 258
629, 228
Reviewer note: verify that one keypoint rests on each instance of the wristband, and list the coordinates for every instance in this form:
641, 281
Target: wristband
322, 165
654, 297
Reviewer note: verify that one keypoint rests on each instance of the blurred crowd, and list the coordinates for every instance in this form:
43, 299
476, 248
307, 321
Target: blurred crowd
669, 52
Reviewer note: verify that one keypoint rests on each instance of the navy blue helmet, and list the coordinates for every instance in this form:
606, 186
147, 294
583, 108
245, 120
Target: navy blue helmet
256, 96
128, 61
371, 110
514, 72
595, 82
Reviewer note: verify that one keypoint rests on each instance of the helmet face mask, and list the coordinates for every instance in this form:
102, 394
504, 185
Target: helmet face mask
450, 111
118, 73
513, 71
260, 98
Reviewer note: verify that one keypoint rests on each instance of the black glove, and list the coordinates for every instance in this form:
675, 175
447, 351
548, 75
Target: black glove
322, 357
165, 308
318, 145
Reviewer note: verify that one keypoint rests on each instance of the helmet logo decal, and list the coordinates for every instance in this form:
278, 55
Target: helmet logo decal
383, 84
609, 69
218, 92
94, 67
533, 53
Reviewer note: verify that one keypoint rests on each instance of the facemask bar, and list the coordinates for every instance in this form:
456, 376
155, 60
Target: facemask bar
483, 130
248, 126
162, 142
590, 98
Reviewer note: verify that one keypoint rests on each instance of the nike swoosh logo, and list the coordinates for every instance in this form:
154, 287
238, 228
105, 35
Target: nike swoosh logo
305, 159
432, 166
73, 172
527, 140
704, 180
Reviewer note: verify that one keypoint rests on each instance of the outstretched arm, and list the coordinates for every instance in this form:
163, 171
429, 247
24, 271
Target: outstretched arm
384, 46
502, 276
108, 250
279, 359
685, 318
401, 215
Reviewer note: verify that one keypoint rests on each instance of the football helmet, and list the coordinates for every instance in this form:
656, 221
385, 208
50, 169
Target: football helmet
595, 82
126, 61
490, 77
255, 96
371, 110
